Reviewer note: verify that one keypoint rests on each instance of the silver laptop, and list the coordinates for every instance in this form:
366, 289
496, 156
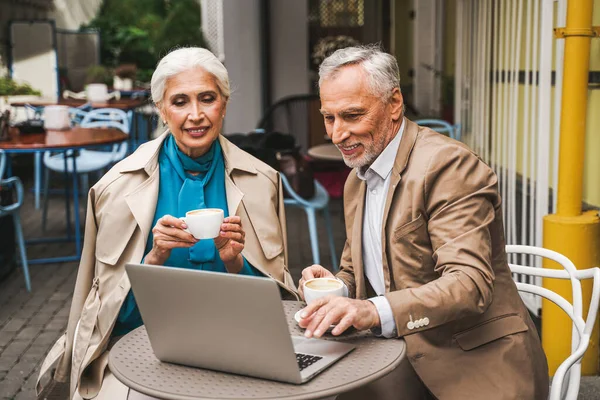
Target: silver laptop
225, 322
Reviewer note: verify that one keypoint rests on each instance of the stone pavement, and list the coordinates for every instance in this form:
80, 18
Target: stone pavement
31, 322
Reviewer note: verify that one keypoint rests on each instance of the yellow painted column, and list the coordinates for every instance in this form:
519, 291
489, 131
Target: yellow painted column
570, 232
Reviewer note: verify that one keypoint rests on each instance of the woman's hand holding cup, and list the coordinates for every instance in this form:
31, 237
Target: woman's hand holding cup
168, 233
230, 243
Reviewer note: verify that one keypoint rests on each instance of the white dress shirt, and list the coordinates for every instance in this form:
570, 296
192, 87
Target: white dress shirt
377, 178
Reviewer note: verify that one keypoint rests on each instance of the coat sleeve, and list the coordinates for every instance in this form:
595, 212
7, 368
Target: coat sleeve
85, 276
461, 201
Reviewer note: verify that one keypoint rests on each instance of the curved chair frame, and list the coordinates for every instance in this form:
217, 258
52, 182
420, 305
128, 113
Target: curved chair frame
570, 369
440, 126
13, 209
320, 201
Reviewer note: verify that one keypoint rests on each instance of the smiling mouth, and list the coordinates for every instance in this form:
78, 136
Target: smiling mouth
197, 132
348, 150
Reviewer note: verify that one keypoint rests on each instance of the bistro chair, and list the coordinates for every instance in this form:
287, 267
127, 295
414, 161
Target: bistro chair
565, 383
296, 115
13, 210
89, 160
441, 126
320, 201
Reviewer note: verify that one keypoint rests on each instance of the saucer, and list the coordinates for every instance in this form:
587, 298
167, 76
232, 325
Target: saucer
297, 318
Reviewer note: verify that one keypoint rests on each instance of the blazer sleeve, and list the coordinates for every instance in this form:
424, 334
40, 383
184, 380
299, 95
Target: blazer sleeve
461, 202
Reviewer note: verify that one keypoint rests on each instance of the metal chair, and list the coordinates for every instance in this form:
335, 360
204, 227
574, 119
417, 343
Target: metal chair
298, 116
320, 201
570, 369
441, 126
88, 161
13, 210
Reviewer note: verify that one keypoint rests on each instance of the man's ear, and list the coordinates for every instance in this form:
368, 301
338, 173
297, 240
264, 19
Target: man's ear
396, 104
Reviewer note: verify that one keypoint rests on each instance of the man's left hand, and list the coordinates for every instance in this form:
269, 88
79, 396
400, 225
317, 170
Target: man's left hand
340, 311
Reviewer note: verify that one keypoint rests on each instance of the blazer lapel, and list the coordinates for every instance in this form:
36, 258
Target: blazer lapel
357, 230
409, 137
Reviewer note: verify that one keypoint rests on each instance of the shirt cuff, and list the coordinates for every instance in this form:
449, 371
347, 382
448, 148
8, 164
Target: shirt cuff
386, 316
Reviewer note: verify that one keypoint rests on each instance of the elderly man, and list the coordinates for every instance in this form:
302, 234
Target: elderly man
424, 258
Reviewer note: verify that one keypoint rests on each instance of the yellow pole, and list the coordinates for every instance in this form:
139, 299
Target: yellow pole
570, 232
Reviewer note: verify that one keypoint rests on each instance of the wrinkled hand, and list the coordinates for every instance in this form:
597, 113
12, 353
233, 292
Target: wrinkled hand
168, 234
340, 311
314, 271
230, 243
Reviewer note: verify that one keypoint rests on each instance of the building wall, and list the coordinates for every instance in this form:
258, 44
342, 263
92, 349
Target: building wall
24, 10
242, 59
289, 48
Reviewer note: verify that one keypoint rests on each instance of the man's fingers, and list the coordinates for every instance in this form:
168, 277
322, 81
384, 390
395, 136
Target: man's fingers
346, 322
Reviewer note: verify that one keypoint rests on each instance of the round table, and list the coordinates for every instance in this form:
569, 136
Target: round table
121, 104
71, 139
132, 361
326, 152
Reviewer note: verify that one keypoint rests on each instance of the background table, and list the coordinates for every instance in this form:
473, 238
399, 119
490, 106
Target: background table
326, 151
132, 361
121, 104
72, 139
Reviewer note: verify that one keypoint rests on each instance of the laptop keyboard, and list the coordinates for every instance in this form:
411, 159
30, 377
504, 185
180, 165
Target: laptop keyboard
306, 360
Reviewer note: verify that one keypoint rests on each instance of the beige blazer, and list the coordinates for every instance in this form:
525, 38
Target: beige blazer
467, 331
120, 212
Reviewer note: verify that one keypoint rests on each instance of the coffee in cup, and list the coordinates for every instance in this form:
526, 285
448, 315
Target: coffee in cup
321, 287
204, 223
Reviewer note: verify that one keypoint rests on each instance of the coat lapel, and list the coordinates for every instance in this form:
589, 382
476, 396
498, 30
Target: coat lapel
357, 230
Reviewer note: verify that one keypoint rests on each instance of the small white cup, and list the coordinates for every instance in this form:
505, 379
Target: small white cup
56, 118
204, 223
321, 287
96, 92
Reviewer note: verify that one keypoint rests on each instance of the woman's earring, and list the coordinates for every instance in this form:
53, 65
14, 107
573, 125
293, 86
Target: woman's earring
164, 122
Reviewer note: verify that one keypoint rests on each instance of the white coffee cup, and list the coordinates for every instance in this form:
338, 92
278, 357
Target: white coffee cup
96, 92
204, 223
56, 118
320, 287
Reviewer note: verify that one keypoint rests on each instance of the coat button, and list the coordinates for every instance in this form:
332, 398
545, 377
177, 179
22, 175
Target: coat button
410, 325
426, 321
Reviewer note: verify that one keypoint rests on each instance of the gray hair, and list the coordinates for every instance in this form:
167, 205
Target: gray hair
184, 59
381, 68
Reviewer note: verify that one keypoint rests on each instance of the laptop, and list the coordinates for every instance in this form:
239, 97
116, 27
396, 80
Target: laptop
225, 322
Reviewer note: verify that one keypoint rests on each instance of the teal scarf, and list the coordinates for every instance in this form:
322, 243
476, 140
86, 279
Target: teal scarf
180, 192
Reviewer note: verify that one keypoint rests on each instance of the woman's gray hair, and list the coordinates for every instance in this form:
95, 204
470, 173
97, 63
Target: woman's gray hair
184, 59
381, 68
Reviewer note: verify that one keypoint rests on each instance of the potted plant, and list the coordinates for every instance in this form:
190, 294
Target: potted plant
124, 76
11, 91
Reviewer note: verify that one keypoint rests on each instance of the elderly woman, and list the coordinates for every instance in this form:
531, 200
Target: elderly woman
133, 217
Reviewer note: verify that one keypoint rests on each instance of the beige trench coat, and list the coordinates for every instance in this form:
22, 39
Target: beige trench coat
468, 333
120, 212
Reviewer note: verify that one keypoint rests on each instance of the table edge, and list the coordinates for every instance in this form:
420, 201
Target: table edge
313, 395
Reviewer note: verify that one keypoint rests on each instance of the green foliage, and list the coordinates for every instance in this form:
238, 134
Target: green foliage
8, 87
99, 74
142, 31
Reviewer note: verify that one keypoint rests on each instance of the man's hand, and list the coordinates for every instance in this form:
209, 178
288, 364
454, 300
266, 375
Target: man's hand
340, 311
314, 271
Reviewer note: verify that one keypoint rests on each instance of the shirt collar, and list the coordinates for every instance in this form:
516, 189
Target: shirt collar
384, 163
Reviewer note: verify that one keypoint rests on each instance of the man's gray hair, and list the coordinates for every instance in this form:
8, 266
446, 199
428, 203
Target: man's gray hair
381, 68
184, 59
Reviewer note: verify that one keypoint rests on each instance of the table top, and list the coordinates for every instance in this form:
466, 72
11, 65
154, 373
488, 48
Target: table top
132, 361
73, 138
326, 151
122, 104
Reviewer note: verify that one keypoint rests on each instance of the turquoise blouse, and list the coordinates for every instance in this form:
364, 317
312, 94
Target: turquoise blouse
178, 193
